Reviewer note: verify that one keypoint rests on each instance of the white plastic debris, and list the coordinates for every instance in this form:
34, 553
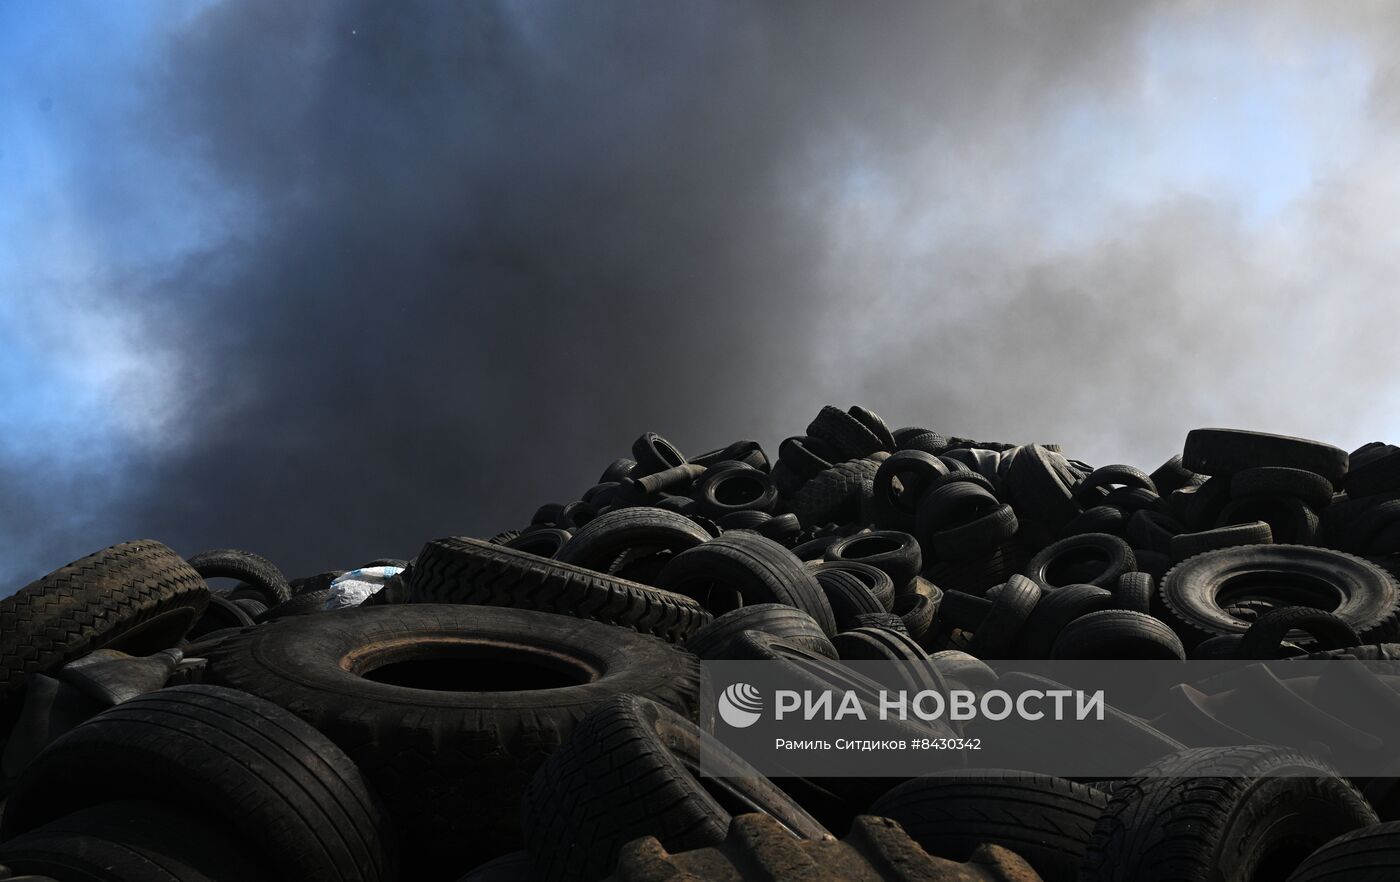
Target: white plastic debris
355, 587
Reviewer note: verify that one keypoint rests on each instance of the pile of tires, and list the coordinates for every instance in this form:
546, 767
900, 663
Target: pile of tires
525, 706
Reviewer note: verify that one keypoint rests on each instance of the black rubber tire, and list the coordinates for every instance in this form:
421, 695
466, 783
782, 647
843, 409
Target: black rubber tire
653, 454
876, 581
1046, 820
875, 643
308, 584
451, 765
1100, 519
617, 470
130, 841
745, 520
877, 426
1375, 475
893, 508
917, 611
848, 436
597, 545
1133, 499
782, 528
883, 620
266, 775
1187, 545
847, 596
542, 542
1091, 490
1227, 451
746, 452
745, 568
139, 597
1039, 483
805, 457
964, 670
1171, 476
1152, 530
1135, 591
630, 770
814, 550
1151, 562
780, 620
997, 633
249, 568
1118, 634
976, 576
1314, 490
219, 614
928, 442
1290, 521
976, 538
252, 608
1370, 854
1053, 613
304, 604
835, 495
1263, 638
1221, 813
460, 570
1047, 568
1192, 601
735, 488
1198, 506
895, 553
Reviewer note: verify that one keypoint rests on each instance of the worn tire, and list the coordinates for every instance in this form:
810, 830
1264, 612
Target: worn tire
1264, 637
780, 620
264, 774
1186, 545
630, 770
997, 633
252, 569
876, 581
1227, 451
597, 545
1118, 634
139, 597
460, 570
848, 436
1047, 568
915, 470
895, 553
1053, 613
449, 763
1369, 854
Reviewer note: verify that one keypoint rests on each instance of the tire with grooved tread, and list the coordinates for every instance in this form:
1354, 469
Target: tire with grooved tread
253, 569
1370, 854
1118, 634
848, 436
835, 494
597, 544
630, 770
258, 770
450, 763
460, 570
778, 619
139, 597
1219, 814
1046, 820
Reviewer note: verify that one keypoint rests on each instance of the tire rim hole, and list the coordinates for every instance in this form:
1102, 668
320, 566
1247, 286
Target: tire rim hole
738, 490
1280, 589
870, 546
468, 666
1068, 567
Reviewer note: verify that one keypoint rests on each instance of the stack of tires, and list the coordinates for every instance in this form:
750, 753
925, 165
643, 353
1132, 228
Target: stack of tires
526, 706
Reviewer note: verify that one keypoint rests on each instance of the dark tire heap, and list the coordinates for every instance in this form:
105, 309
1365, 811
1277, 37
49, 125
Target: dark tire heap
526, 706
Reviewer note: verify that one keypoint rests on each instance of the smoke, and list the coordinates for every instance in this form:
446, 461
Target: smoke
437, 264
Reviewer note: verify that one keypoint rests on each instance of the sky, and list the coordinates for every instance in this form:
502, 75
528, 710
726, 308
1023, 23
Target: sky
326, 280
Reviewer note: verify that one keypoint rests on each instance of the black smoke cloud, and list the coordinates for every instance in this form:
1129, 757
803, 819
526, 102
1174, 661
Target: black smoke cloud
475, 249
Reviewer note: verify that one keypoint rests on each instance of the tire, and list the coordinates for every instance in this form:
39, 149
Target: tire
976, 538
1227, 451
976, 576
451, 764
726, 490
1262, 639
251, 608
545, 543
1053, 613
876, 581
1312, 489
1187, 545
746, 452
847, 596
1046, 820
781, 528
894, 553
219, 614
1369, 854
807, 457
1118, 634
617, 470
1374, 475
1221, 814
459, 570
1193, 597
138, 597
653, 454
1152, 530
835, 495
1171, 476
878, 427
597, 545
320, 581
1290, 521
130, 841
915, 470
999, 630
1091, 490
846, 435
1135, 591
928, 442
1039, 483
1197, 507
1056, 565
305, 604
249, 568
742, 569
631, 770
267, 776
785, 622
1099, 519
882, 620
917, 611
965, 670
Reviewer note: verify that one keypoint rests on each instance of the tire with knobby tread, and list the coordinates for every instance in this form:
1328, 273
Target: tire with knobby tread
460, 570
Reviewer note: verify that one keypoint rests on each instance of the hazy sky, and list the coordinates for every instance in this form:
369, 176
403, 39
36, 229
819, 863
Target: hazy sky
325, 280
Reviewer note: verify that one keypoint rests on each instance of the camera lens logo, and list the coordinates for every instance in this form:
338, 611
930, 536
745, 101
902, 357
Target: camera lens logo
740, 705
